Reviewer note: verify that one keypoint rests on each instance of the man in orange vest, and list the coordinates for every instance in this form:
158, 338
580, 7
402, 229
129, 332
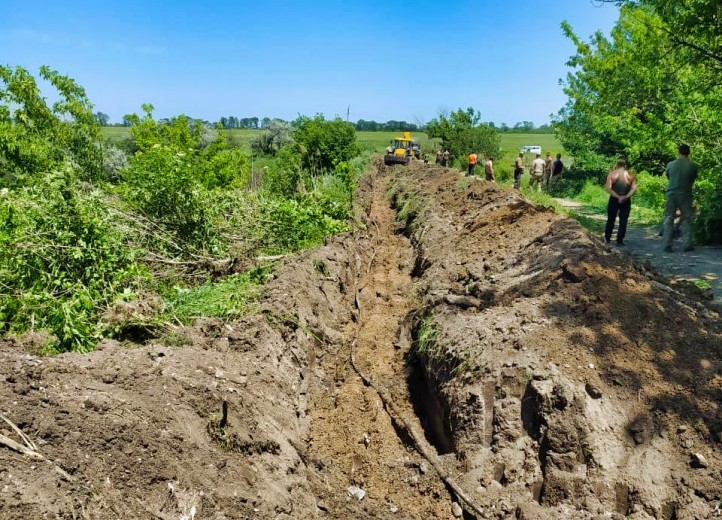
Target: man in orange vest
472, 164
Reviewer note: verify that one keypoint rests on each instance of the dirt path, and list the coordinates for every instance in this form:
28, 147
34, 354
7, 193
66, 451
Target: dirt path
704, 263
702, 266
351, 434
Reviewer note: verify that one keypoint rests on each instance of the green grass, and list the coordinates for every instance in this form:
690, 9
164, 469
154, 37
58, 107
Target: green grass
512, 143
115, 134
234, 295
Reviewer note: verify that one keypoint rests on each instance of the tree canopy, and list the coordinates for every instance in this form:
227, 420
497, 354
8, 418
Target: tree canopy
462, 132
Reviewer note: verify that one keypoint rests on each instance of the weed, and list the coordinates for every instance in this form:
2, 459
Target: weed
435, 356
232, 296
174, 338
322, 267
702, 284
463, 184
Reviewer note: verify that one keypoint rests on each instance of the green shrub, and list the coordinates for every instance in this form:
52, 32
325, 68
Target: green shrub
650, 191
324, 144
593, 194
294, 224
64, 260
283, 175
161, 184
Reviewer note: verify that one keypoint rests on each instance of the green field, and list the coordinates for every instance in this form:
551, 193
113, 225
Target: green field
377, 141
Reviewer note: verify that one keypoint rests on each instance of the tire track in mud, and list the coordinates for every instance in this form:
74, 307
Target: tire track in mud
352, 439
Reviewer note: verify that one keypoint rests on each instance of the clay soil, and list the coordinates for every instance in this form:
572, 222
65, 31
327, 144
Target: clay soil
463, 354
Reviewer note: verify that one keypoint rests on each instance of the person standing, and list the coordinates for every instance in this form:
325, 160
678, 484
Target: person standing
557, 169
426, 158
472, 165
621, 186
681, 173
548, 165
536, 171
518, 170
489, 170
438, 157
445, 158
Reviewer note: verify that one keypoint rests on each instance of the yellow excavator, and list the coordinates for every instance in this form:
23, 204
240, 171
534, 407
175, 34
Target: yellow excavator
402, 150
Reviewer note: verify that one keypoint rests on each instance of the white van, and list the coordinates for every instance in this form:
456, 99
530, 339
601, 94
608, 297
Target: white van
531, 149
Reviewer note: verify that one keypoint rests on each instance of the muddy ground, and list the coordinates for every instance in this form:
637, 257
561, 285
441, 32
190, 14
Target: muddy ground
464, 354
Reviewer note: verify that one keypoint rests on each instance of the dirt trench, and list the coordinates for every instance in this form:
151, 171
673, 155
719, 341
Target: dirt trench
352, 434
464, 353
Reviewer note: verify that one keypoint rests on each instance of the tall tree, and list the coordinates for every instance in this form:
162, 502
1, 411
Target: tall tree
102, 118
463, 132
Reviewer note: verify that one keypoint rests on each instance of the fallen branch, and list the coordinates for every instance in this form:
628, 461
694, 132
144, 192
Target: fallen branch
30, 444
28, 448
16, 446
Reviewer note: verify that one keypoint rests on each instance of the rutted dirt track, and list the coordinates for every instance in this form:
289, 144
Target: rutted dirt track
552, 378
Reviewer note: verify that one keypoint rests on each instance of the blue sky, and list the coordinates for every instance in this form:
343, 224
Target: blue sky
281, 58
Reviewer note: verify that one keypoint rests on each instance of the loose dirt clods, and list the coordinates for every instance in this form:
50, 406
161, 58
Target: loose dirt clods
542, 375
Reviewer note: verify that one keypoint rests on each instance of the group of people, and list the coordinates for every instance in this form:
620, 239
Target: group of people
488, 166
621, 185
542, 172
443, 158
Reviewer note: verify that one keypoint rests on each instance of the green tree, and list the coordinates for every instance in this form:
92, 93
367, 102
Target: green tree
324, 143
276, 135
463, 132
35, 137
102, 118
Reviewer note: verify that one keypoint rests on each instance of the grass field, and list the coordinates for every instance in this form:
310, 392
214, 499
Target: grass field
377, 141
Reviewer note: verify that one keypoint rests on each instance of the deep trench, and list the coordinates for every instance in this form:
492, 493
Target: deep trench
428, 407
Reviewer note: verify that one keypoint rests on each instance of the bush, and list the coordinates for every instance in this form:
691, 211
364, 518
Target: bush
275, 136
294, 224
115, 161
160, 183
650, 191
324, 144
64, 258
283, 175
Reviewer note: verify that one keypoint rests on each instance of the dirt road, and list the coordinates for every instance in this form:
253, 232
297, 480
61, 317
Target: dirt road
464, 353
702, 264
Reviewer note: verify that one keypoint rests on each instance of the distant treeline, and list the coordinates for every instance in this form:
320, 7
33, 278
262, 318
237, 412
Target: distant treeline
255, 123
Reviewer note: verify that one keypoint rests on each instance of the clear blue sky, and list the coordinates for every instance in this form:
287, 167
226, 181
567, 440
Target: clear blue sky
281, 58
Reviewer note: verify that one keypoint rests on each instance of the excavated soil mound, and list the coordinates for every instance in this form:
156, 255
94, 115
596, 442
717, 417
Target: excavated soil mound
464, 354
573, 384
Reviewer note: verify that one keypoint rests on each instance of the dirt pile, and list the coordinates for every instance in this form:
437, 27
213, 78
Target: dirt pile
540, 375
573, 384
